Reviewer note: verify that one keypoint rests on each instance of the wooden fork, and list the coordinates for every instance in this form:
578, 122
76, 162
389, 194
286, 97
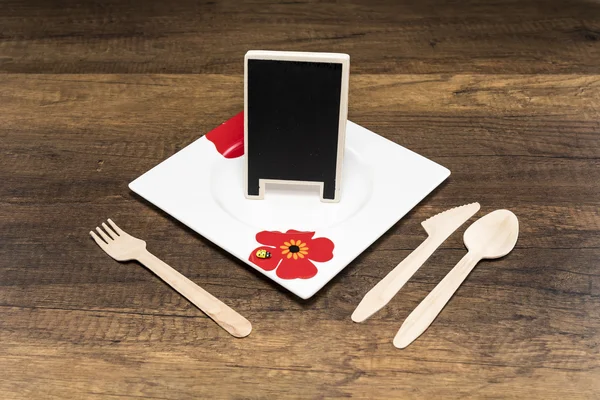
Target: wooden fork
123, 247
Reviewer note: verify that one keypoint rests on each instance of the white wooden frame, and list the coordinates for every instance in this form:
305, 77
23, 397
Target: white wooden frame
338, 58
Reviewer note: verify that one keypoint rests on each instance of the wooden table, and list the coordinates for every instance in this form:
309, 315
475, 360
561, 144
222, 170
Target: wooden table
506, 94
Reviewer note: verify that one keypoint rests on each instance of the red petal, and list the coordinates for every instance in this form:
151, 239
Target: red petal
304, 236
296, 269
229, 137
268, 264
271, 238
276, 238
320, 249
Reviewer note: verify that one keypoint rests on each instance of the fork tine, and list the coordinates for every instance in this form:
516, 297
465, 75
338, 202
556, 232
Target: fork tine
115, 227
98, 241
110, 232
104, 235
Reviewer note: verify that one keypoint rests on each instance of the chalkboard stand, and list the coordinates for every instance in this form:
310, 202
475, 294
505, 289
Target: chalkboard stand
295, 112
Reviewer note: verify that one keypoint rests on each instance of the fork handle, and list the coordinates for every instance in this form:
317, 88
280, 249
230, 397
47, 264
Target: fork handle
218, 311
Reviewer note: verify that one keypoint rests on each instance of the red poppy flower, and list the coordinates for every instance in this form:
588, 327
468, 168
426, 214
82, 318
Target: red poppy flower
291, 253
229, 137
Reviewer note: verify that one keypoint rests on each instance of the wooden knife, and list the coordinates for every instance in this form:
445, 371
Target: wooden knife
439, 228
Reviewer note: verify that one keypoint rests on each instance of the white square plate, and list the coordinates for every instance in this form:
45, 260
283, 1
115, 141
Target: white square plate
202, 186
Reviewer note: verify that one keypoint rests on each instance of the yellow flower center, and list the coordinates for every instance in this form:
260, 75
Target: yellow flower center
295, 249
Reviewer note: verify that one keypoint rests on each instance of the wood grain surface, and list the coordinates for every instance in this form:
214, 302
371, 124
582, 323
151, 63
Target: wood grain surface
504, 93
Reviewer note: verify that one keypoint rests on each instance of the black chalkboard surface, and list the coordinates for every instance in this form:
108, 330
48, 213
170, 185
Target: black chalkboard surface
295, 107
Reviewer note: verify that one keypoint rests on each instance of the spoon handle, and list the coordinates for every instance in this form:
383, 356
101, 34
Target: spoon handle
419, 320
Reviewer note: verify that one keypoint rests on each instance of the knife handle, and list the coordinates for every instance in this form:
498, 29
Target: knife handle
387, 288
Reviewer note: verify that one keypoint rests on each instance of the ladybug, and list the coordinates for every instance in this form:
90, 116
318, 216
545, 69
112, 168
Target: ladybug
262, 253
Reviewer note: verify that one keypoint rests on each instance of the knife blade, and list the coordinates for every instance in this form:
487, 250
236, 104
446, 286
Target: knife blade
438, 228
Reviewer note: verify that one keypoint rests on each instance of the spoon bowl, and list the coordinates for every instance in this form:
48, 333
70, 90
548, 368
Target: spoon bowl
494, 235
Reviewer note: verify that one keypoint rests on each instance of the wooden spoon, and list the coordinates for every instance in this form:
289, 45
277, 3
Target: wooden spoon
491, 236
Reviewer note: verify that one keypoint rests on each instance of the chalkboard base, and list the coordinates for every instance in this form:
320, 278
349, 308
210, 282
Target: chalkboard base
327, 192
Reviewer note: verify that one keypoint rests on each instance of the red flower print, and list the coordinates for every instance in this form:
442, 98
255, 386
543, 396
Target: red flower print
291, 253
229, 137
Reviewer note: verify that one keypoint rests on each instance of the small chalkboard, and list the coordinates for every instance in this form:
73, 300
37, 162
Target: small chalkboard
296, 106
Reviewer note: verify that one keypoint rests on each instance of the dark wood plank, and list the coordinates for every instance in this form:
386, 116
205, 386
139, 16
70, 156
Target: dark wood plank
505, 93
76, 324
416, 36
